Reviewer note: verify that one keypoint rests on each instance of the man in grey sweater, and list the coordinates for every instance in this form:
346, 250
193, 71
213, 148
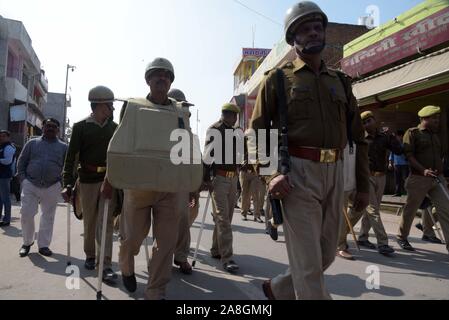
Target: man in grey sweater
39, 168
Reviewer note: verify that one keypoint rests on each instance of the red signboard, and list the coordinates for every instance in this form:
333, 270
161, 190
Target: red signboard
422, 35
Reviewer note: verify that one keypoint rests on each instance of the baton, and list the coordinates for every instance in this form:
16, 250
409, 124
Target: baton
348, 222
102, 248
201, 230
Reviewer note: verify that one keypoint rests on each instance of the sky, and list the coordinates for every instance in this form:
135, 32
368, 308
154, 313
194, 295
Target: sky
110, 42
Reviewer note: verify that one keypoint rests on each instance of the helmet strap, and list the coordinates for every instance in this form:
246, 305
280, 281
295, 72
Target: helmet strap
310, 50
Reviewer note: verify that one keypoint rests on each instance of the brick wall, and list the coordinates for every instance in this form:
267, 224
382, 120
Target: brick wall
337, 36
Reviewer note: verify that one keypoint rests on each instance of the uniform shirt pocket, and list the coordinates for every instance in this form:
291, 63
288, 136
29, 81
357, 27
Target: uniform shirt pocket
338, 109
299, 103
423, 144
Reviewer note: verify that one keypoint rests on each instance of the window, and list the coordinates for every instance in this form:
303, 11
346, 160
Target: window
12, 70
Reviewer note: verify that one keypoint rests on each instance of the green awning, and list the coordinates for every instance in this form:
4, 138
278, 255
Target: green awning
423, 73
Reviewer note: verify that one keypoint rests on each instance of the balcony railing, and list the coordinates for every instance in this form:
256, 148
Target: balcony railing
44, 82
15, 90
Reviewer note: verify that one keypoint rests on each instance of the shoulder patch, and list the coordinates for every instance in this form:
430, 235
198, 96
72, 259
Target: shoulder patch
286, 65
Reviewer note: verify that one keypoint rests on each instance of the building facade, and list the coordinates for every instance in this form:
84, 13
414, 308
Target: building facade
54, 108
402, 66
23, 85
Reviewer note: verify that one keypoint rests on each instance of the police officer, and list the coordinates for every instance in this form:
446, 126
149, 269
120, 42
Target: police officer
143, 208
424, 152
379, 142
87, 154
252, 188
319, 103
224, 184
190, 209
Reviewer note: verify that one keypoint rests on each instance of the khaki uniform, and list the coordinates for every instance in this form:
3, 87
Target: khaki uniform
89, 143
268, 211
426, 147
371, 216
377, 154
348, 201
252, 188
93, 205
188, 216
141, 209
262, 194
224, 198
317, 108
427, 222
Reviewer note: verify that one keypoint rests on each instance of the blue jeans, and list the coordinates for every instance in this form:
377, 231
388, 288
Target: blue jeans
5, 199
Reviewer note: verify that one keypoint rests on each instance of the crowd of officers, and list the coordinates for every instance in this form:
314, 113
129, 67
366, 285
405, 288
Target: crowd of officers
322, 120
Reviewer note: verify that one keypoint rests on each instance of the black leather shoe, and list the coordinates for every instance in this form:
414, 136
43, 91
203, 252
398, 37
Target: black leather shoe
258, 219
272, 231
431, 239
45, 251
23, 252
404, 244
385, 249
4, 224
184, 267
266, 287
230, 266
130, 282
89, 264
109, 276
419, 226
366, 244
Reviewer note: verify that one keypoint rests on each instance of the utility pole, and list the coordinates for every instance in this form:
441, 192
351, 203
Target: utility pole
25, 131
31, 80
254, 36
197, 122
65, 100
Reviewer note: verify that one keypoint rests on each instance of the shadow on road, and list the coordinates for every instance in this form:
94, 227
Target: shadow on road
255, 228
351, 286
11, 231
425, 262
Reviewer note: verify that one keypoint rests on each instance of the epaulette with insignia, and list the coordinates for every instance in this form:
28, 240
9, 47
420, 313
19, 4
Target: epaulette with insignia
286, 65
216, 125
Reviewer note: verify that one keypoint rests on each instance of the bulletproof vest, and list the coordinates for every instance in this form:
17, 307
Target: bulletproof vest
139, 152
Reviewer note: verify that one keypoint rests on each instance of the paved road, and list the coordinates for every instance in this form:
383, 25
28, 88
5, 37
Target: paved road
420, 275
